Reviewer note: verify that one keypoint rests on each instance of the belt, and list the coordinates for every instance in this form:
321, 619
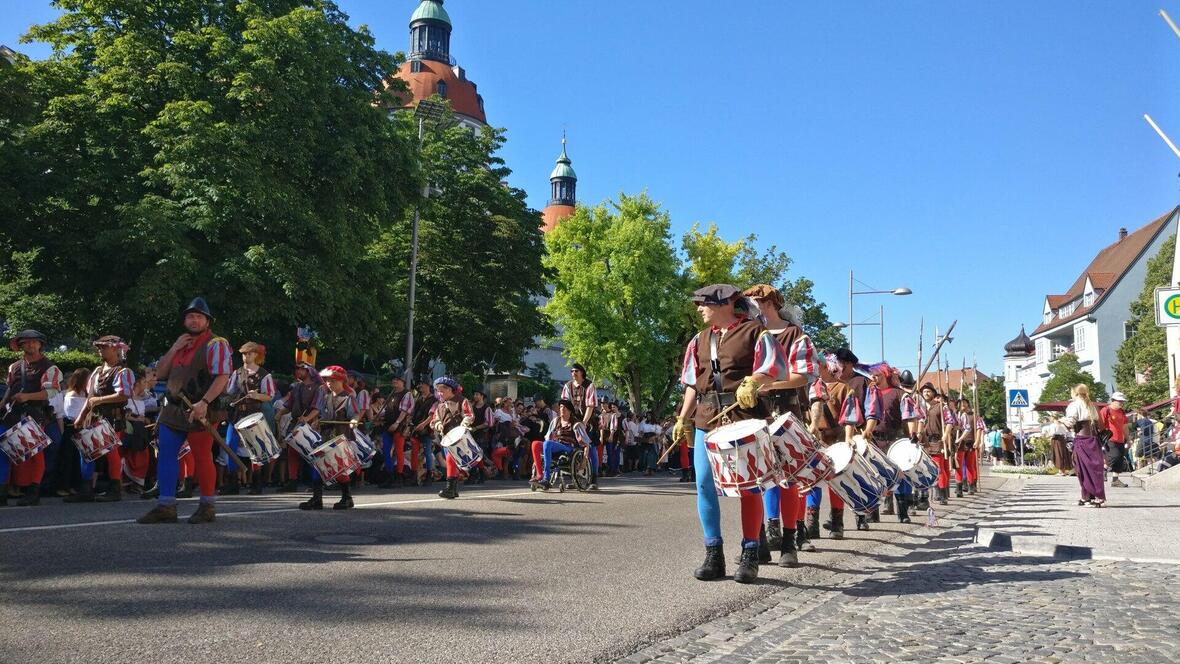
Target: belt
719, 400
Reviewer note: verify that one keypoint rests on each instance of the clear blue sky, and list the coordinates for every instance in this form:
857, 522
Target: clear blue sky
978, 153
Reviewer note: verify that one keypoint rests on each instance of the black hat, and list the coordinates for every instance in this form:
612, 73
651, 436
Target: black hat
578, 367
14, 343
567, 403
928, 386
198, 305
907, 379
847, 356
715, 294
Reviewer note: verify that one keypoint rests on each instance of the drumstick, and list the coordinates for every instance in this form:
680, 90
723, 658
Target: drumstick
231, 455
668, 451
732, 407
335, 422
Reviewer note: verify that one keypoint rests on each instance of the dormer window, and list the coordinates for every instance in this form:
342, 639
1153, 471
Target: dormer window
416, 67
442, 89
1088, 299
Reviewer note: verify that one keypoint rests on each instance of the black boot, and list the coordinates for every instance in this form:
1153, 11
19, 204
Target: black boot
316, 502
943, 495
113, 495
787, 555
903, 509
802, 543
812, 523
972, 488
187, 491
923, 501
452, 490
763, 549
836, 524
747, 570
774, 533
256, 484
888, 509
32, 496
288, 487
873, 516
86, 495
958, 489
231, 487
714, 566
862, 522
153, 492
684, 475
345, 502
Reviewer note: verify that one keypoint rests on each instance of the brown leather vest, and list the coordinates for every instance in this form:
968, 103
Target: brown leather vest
248, 383
193, 382
932, 430
735, 356
25, 378
105, 387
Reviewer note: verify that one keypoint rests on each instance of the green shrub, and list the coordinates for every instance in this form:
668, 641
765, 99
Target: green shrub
67, 361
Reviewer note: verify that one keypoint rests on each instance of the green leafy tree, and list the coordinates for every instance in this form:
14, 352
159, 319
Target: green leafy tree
992, 401
618, 294
1145, 352
1066, 373
238, 150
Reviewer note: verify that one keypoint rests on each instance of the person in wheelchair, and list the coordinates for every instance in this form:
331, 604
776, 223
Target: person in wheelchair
566, 434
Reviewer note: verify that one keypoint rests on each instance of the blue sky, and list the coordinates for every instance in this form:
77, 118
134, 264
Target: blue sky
978, 153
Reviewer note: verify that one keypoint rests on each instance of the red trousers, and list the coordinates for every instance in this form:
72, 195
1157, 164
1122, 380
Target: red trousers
137, 464
115, 463
538, 459
944, 470
791, 505
499, 455
29, 471
834, 498
452, 468
968, 462
684, 460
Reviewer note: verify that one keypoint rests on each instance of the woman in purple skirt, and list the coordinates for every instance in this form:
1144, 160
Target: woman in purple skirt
1082, 417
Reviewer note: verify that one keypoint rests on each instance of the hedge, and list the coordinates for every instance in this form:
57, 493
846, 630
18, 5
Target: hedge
67, 361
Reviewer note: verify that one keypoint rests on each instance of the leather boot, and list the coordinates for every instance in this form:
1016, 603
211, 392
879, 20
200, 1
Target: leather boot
923, 501
86, 495
972, 488
714, 566
888, 509
774, 533
903, 509
159, 514
230, 487
32, 496
316, 502
684, 475
187, 491
763, 548
812, 523
943, 495
747, 570
802, 543
452, 490
205, 513
113, 495
862, 521
958, 489
288, 487
345, 502
787, 555
873, 516
256, 484
836, 524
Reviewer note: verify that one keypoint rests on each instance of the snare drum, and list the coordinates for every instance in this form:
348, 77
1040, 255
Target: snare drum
817, 469
742, 458
24, 440
305, 440
855, 480
364, 448
95, 441
462, 447
335, 460
917, 465
880, 461
258, 437
792, 449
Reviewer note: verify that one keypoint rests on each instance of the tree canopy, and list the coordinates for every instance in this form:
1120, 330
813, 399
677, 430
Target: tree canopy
1066, 373
1141, 370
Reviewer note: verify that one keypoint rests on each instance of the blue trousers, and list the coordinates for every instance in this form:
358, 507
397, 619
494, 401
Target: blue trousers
387, 455
771, 507
708, 506
815, 498
551, 446
234, 442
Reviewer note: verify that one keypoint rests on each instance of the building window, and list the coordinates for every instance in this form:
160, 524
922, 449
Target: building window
1042, 345
1079, 338
1088, 300
442, 89
416, 66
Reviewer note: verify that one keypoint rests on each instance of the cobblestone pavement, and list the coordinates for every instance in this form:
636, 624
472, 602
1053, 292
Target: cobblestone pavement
948, 600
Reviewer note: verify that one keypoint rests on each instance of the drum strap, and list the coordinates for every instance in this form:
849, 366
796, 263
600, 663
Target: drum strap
716, 363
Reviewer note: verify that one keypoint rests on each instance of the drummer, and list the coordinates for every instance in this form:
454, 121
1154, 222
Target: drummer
107, 391
724, 366
913, 411
780, 397
452, 410
860, 409
566, 432
338, 406
396, 420
32, 382
303, 403
250, 388
889, 429
935, 439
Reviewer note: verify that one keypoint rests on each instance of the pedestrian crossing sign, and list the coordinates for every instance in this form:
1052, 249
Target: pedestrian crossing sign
1018, 398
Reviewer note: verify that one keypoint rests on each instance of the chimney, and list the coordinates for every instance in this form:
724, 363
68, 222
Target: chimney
1122, 234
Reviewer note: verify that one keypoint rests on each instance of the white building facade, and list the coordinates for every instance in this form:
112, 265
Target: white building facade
1089, 320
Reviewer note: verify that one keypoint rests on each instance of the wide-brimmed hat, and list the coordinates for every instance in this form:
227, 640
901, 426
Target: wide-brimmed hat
25, 335
567, 403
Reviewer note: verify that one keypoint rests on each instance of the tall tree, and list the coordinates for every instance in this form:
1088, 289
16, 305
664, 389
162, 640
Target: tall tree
618, 294
239, 150
992, 402
1066, 373
1143, 356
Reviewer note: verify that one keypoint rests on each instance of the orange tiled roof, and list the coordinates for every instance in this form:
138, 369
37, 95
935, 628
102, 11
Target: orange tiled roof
554, 214
424, 84
1105, 270
956, 379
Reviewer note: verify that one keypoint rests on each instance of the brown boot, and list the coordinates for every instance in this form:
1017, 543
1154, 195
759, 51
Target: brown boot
159, 514
204, 514
113, 495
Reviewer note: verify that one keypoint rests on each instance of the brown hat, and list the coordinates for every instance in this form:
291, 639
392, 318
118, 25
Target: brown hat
715, 294
766, 292
252, 347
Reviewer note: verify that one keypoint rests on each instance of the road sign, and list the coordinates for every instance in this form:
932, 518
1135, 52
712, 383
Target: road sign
1018, 398
1167, 306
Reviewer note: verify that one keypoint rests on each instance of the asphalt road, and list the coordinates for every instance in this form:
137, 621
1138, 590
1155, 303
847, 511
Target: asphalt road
501, 575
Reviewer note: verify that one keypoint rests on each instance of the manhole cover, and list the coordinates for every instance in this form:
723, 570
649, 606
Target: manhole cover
346, 539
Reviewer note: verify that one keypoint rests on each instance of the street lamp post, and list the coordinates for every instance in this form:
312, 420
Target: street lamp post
880, 324
871, 291
424, 110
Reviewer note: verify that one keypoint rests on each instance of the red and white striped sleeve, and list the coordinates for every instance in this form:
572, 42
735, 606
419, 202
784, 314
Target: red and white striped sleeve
591, 396
219, 357
804, 359
688, 371
52, 380
267, 386
769, 357
124, 382
467, 410
407, 404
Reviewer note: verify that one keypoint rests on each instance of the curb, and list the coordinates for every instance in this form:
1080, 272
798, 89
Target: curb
996, 540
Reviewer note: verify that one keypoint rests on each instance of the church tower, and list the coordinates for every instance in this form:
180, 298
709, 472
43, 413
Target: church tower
563, 194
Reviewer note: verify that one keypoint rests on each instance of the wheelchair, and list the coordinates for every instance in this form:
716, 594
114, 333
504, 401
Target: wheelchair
570, 470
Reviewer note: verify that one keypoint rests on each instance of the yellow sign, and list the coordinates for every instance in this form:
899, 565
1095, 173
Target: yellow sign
1172, 307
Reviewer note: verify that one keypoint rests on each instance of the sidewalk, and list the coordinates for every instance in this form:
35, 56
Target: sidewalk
1043, 519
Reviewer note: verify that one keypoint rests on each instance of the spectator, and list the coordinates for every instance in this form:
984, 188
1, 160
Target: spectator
1008, 445
994, 444
1114, 419
1148, 446
1172, 458
1062, 453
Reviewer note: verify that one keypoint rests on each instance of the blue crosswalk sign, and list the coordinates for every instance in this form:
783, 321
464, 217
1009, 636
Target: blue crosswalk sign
1018, 398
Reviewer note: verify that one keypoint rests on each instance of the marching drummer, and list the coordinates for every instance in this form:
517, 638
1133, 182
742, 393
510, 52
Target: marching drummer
107, 390
396, 419
889, 429
724, 366
338, 412
251, 386
452, 410
913, 411
32, 382
303, 404
780, 397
